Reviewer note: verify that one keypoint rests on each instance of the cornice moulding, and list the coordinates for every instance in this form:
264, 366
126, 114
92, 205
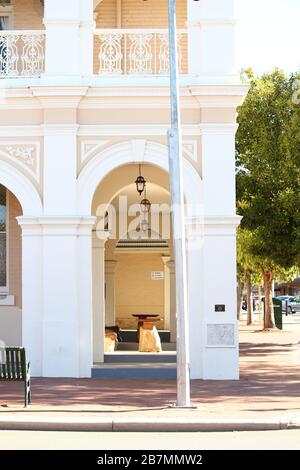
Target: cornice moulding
134, 130
20, 131
59, 129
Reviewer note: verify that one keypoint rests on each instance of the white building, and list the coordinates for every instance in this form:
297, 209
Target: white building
84, 99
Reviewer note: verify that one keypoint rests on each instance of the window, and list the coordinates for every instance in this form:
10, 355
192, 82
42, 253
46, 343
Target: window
3, 238
6, 11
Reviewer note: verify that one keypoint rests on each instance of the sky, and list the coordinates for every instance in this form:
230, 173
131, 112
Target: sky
268, 34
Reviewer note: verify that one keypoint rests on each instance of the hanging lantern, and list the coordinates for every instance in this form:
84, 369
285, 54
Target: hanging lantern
140, 182
145, 204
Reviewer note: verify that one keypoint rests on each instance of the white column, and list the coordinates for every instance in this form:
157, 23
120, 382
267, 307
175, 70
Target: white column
87, 37
194, 36
218, 278
171, 266
215, 43
194, 234
85, 295
165, 260
110, 301
61, 306
99, 239
63, 52
32, 308
218, 169
60, 169
220, 328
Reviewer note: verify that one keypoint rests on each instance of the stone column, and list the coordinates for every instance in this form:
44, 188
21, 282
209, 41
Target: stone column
66, 285
165, 260
211, 27
62, 22
171, 266
69, 38
85, 295
99, 239
217, 288
110, 301
86, 37
32, 286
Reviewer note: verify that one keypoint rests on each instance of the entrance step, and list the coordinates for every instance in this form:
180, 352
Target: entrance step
129, 336
140, 357
134, 347
134, 371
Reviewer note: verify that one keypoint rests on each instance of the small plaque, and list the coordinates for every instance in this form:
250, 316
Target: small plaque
220, 308
220, 335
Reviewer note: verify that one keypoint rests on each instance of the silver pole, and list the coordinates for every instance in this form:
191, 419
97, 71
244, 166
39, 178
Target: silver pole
177, 200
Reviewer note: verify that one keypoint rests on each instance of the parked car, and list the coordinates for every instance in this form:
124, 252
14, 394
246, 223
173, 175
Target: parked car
293, 302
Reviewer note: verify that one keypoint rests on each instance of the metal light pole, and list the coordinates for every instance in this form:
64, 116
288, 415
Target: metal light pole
177, 199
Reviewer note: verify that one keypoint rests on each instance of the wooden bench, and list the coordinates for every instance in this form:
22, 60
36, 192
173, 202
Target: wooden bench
15, 368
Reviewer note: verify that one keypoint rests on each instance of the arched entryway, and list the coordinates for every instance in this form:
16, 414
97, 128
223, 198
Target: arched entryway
137, 260
20, 323
95, 186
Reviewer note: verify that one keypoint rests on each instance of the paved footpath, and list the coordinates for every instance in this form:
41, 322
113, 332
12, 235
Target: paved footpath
267, 396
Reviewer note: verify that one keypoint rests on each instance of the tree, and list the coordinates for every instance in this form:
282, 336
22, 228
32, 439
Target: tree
268, 176
248, 270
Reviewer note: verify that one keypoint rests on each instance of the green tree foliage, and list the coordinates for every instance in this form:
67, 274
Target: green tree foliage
268, 175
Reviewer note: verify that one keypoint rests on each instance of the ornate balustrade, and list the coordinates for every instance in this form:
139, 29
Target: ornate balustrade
137, 51
21, 53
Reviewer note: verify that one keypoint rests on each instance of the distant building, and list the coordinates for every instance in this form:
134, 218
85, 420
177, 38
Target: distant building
288, 288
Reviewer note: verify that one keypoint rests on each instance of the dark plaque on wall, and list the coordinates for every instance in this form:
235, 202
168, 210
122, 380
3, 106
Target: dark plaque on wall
220, 308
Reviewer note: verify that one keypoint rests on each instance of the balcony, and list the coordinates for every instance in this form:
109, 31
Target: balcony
22, 53
136, 51
142, 52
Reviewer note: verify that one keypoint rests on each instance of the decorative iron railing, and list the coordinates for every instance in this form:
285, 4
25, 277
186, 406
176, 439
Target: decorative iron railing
21, 53
137, 51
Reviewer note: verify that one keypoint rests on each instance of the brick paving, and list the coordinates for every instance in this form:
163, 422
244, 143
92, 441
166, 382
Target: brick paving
269, 388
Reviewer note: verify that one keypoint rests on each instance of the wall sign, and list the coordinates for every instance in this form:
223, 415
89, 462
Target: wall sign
220, 308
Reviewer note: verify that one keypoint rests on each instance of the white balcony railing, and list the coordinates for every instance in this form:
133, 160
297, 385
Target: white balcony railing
21, 53
137, 51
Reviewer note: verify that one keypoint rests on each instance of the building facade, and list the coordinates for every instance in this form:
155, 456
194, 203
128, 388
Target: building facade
84, 107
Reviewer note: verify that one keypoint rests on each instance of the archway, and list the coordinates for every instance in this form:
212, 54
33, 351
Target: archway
20, 200
93, 182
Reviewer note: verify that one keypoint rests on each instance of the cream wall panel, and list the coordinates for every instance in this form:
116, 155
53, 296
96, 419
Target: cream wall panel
139, 14
135, 291
28, 14
24, 117
123, 115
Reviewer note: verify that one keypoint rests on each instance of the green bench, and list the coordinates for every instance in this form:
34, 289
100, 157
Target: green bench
15, 368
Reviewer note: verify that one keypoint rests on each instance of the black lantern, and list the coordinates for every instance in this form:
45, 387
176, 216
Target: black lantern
140, 182
145, 204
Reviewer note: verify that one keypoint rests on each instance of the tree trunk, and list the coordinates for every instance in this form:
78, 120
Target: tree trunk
269, 321
259, 304
240, 288
249, 298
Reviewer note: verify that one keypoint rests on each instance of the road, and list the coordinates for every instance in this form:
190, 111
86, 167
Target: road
36, 440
